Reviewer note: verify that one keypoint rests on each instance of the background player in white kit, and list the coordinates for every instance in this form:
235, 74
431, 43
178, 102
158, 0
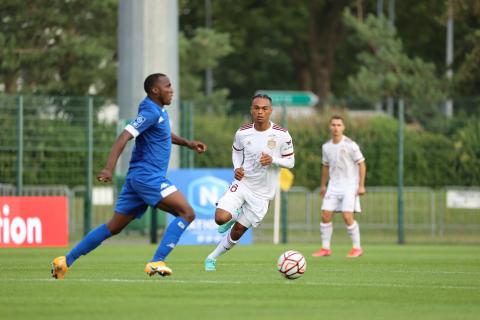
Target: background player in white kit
258, 150
344, 169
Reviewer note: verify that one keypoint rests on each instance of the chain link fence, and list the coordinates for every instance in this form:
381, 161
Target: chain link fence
44, 140
44, 150
428, 217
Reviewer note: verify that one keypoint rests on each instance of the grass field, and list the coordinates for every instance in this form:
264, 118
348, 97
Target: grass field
388, 282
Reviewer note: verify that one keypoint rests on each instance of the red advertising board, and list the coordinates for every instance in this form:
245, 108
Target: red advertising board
33, 221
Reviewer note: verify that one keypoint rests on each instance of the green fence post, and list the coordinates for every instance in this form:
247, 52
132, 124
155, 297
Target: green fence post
87, 221
401, 124
19, 188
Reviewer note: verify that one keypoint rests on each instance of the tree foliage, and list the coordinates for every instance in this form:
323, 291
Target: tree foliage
58, 46
429, 160
467, 44
387, 71
197, 53
69, 46
278, 44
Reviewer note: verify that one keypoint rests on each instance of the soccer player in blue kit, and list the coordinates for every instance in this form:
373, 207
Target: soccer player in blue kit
145, 183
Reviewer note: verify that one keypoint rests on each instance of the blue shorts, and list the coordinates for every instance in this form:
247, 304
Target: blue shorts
136, 195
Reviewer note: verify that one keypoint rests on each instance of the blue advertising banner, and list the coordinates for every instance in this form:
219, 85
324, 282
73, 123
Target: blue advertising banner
203, 188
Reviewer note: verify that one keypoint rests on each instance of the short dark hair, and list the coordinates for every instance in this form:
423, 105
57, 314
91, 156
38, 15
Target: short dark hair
263, 96
150, 81
336, 117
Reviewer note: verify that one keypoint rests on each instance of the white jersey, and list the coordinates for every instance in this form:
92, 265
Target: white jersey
276, 142
342, 160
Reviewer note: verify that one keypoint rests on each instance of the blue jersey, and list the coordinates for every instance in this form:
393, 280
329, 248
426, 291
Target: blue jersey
153, 142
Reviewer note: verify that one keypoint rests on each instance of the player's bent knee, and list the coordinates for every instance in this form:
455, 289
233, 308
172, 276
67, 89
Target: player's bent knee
326, 220
221, 219
222, 216
326, 217
188, 215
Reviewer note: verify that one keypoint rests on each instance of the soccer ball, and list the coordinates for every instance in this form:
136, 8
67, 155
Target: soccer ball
291, 264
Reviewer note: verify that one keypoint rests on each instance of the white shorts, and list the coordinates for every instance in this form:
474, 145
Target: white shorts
238, 196
346, 202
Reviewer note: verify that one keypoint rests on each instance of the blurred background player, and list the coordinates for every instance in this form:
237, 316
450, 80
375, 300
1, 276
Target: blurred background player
145, 183
344, 169
258, 150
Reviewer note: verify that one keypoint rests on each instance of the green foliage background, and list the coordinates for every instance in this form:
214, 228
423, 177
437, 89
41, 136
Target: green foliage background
429, 160
55, 148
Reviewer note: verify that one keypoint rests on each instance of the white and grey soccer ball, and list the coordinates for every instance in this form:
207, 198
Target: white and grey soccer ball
291, 264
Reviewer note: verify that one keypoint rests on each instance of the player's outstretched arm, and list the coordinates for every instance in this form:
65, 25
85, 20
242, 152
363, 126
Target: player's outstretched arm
106, 174
198, 146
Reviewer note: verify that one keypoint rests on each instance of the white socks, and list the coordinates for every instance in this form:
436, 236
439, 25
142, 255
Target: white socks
326, 230
225, 244
354, 233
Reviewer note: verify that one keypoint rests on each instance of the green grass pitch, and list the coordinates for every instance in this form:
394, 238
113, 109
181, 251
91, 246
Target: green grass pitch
388, 282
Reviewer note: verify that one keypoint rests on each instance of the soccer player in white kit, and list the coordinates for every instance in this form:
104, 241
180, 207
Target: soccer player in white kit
344, 169
259, 150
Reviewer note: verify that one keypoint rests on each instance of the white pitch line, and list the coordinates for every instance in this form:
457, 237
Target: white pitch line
406, 271
226, 282
377, 270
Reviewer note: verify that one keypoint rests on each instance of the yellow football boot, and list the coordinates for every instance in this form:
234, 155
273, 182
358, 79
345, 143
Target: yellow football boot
59, 267
158, 267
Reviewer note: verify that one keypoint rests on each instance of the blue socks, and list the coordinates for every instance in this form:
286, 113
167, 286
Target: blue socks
174, 230
95, 237
92, 240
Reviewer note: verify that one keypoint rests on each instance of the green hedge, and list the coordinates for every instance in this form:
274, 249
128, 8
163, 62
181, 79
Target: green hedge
55, 149
431, 159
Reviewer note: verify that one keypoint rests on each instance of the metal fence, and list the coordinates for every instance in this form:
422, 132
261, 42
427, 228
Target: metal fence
53, 145
428, 219
45, 140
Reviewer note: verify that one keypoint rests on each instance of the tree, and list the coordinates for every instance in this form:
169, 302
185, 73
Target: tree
467, 57
58, 46
387, 71
278, 44
210, 46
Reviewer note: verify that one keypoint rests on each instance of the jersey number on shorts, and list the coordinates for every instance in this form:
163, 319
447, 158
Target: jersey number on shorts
234, 187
